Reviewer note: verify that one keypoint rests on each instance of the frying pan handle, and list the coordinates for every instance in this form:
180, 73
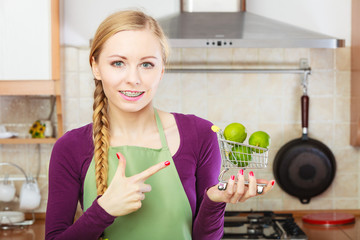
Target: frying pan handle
304, 113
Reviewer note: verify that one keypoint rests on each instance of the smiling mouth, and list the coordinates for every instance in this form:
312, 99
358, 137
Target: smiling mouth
132, 93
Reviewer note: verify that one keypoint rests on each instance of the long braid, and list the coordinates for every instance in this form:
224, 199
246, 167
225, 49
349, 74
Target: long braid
101, 136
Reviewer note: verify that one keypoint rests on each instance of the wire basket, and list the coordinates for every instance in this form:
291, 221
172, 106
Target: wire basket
236, 155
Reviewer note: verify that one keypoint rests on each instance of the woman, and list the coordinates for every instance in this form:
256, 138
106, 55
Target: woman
138, 172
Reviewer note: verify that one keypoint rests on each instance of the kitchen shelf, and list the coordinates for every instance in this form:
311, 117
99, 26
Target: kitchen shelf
28, 141
29, 87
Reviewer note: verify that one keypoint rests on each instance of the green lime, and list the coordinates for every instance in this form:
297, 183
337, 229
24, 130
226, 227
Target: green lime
235, 132
260, 139
240, 155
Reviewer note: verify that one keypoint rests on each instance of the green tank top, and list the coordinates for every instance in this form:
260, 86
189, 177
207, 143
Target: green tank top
165, 212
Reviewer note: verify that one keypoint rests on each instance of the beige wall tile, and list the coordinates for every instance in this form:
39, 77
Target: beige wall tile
343, 83
321, 58
244, 109
71, 59
174, 57
322, 132
71, 84
270, 110
347, 160
86, 84
170, 85
221, 84
168, 104
292, 131
292, 56
292, 109
271, 85
85, 111
321, 109
84, 64
219, 108
245, 85
342, 135
342, 109
346, 203
321, 83
344, 185
343, 58
271, 57
194, 57
245, 57
219, 58
269, 204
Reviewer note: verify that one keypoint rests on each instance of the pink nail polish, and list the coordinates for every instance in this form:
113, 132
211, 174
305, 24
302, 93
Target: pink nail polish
241, 171
167, 163
118, 155
272, 183
251, 173
232, 177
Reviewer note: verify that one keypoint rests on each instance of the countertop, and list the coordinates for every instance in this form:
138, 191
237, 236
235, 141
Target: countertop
344, 232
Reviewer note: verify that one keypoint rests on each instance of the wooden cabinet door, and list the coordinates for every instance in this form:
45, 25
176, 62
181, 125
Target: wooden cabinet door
25, 40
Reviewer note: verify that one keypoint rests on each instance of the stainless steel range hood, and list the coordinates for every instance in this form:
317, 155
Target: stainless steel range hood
240, 30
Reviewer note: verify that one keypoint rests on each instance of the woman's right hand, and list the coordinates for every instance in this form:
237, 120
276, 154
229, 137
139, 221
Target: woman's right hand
124, 194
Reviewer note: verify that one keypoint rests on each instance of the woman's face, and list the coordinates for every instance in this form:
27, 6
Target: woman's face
130, 67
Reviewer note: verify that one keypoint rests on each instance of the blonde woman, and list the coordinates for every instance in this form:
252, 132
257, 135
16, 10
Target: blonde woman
138, 172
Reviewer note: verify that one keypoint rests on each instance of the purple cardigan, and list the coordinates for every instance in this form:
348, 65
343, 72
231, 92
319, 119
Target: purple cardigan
197, 162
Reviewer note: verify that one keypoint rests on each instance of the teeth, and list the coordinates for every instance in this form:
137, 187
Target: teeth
131, 94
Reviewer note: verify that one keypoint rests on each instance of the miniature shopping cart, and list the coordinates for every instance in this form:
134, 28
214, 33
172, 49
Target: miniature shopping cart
235, 156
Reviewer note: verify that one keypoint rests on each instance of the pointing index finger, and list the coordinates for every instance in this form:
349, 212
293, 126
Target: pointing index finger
152, 170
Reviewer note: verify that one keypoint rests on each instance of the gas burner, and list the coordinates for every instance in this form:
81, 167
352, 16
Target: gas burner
255, 229
261, 225
255, 217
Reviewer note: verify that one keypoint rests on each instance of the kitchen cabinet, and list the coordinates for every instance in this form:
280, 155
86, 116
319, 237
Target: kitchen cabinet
30, 55
355, 75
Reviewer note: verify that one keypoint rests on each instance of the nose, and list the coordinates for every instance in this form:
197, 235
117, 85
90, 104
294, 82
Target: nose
133, 76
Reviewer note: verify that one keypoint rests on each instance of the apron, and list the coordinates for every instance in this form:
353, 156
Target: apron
165, 212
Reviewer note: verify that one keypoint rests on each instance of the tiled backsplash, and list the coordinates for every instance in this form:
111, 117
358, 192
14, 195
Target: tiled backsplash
269, 102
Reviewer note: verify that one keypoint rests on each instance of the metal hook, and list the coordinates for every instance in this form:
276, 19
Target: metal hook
304, 82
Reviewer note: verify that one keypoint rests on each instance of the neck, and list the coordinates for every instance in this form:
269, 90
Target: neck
131, 126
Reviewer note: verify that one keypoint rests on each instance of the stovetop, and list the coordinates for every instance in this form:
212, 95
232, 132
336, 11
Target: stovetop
261, 225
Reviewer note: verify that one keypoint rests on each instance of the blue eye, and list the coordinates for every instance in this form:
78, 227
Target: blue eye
147, 65
118, 64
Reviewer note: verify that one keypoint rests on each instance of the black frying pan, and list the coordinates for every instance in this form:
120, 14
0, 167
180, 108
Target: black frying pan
304, 167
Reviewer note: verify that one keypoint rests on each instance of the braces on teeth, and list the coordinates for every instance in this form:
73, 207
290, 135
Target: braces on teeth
131, 94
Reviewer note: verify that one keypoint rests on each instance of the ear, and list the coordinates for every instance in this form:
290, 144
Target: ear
95, 69
162, 71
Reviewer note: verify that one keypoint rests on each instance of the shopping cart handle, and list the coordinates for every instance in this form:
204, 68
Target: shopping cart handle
215, 128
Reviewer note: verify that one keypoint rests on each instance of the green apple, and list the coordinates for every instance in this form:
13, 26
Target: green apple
240, 155
260, 139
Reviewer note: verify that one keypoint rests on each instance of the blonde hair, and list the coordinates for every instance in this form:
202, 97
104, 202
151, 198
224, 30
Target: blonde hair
119, 21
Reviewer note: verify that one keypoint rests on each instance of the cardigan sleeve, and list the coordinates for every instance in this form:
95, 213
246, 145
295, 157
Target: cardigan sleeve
209, 218
65, 186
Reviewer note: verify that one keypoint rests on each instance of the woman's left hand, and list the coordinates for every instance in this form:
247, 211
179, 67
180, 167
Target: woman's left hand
239, 192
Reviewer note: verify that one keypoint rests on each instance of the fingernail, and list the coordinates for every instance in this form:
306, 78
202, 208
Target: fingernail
167, 163
272, 183
251, 173
241, 171
118, 155
232, 177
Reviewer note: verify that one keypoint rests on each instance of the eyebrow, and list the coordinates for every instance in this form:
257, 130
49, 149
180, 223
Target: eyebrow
123, 57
